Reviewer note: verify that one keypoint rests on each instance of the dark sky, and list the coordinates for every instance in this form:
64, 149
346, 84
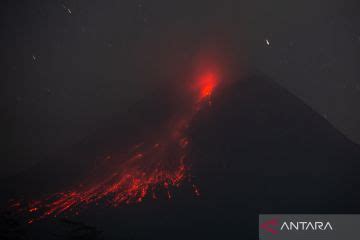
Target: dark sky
68, 66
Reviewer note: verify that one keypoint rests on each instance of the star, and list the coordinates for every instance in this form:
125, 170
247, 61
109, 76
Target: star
67, 9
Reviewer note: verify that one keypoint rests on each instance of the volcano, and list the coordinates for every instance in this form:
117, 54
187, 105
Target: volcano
255, 148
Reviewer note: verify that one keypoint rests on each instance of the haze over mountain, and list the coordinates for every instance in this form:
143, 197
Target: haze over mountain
256, 149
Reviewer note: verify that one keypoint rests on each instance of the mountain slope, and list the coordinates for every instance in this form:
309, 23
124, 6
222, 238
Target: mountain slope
257, 149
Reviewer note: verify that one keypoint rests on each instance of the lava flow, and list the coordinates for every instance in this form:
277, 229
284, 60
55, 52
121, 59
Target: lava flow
151, 169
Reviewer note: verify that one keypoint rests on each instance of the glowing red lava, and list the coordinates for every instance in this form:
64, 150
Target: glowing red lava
149, 169
206, 84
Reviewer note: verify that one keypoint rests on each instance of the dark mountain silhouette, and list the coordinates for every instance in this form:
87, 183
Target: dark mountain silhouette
257, 149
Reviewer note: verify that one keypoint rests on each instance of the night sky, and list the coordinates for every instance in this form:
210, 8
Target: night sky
69, 66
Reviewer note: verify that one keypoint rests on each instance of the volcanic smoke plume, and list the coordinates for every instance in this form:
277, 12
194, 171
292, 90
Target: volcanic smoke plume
151, 167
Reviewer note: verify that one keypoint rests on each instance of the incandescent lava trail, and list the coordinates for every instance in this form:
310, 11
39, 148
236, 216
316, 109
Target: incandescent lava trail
151, 169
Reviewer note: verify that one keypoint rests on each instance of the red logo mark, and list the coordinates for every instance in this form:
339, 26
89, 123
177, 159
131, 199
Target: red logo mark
269, 226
